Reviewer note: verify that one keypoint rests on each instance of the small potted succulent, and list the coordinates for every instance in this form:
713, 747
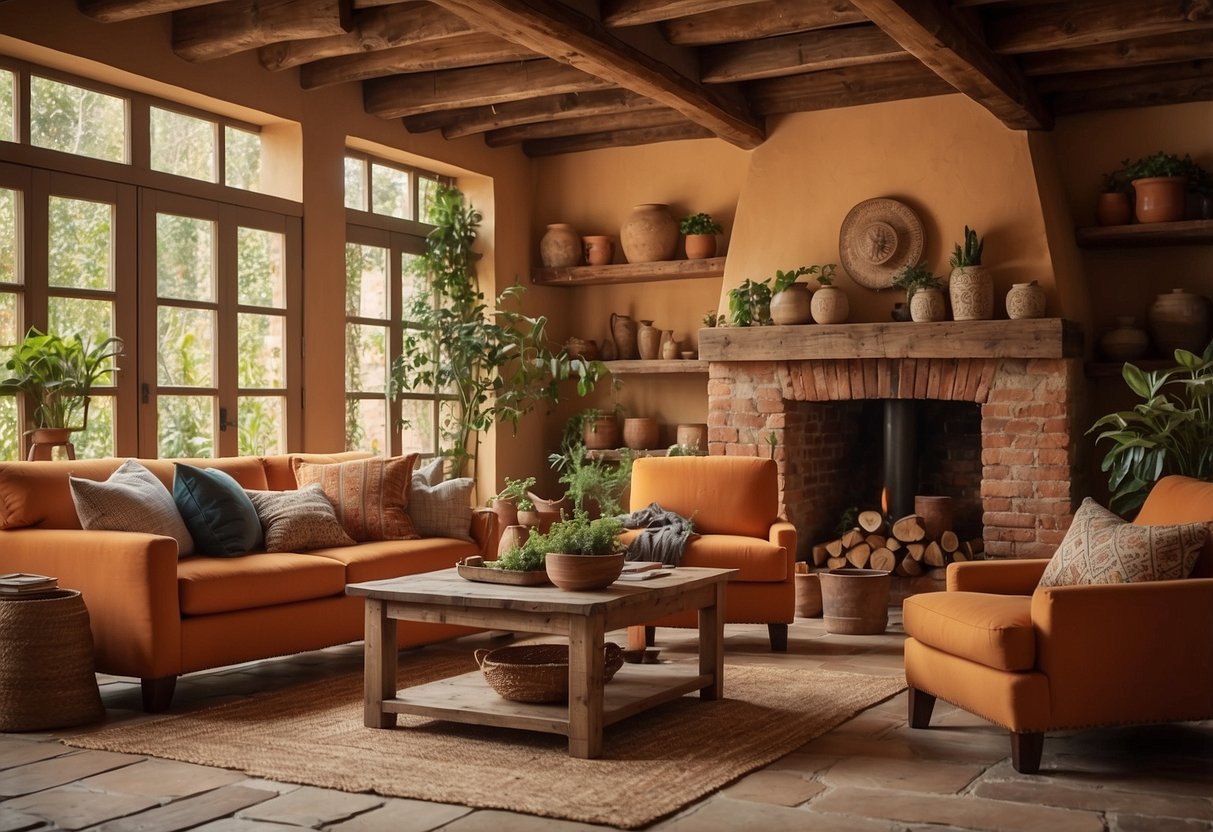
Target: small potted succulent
924, 292
830, 304
970, 288
1159, 184
700, 230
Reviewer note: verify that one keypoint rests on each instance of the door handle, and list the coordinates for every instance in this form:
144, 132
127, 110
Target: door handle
224, 424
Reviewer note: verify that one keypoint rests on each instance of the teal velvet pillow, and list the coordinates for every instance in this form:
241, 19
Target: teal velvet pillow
220, 516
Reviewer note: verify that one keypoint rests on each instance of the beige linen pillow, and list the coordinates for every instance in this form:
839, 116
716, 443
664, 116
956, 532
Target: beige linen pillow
295, 521
1101, 548
443, 510
370, 496
131, 500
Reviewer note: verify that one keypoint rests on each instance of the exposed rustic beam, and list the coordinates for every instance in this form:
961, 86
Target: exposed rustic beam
1079, 82
847, 87
448, 89
1090, 22
1146, 93
636, 12
615, 138
794, 54
114, 11
558, 31
209, 32
465, 122
473, 49
375, 29
1160, 49
928, 30
760, 20
589, 124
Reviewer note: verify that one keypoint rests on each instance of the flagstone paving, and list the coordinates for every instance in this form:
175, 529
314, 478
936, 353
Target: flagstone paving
870, 774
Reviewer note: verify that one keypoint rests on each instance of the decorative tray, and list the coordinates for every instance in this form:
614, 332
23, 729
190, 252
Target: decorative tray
487, 575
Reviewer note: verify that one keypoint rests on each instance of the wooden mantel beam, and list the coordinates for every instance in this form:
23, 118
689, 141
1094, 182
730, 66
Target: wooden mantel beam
929, 31
560, 32
209, 32
115, 11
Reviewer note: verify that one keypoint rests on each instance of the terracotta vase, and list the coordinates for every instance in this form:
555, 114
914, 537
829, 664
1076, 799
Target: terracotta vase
971, 290
1026, 300
928, 305
640, 433
560, 247
693, 435
623, 333
1127, 342
1179, 320
649, 234
1114, 208
669, 347
830, 305
794, 305
600, 434
700, 246
648, 341
599, 250
582, 573
507, 513
1159, 198
512, 536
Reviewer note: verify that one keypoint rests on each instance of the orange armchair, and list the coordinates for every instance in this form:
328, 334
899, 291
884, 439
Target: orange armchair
734, 505
1051, 658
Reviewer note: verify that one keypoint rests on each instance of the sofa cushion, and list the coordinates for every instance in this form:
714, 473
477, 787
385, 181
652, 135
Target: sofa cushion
295, 521
370, 496
381, 559
757, 558
993, 630
431, 473
212, 585
279, 469
721, 494
1178, 499
132, 499
442, 510
220, 516
1101, 548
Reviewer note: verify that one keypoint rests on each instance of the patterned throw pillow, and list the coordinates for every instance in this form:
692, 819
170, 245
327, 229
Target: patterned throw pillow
1101, 548
370, 496
295, 521
131, 500
443, 510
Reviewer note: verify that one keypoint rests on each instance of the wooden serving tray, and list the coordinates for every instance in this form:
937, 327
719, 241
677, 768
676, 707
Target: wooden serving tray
484, 574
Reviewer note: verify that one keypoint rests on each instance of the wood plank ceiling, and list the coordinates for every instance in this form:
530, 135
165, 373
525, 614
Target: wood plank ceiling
566, 76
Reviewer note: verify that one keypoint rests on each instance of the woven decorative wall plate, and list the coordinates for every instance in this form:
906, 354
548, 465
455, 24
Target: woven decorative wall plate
877, 238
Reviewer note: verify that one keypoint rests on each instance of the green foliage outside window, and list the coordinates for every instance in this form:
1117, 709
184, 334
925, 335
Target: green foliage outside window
75, 120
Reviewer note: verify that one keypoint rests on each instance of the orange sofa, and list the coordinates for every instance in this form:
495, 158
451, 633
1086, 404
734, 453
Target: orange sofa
155, 616
1036, 659
733, 503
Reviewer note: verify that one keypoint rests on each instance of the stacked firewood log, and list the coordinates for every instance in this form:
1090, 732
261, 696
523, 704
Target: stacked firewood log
901, 547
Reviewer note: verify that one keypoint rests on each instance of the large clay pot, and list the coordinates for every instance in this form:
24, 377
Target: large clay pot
971, 290
512, 536
936, 514
560, 246
640, 433
1026, 300
1159, 198
794, 305
650, 233
669, 347
599, 250
693, 435
648, 341
1127, 342
1179, 320
1114, 208
700, 246
600, 434
582, 573
623, 333
928, 305
855, 601
830, 305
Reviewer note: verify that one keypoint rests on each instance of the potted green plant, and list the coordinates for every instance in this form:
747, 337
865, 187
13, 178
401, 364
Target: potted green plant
700, 231
1114, 207
1169, 432
599, 430
750, 303
924, 292
56, 375
970, 287
830, 304
1159, 184
511, 500
711, 319
791, 301
583, 554
597, 487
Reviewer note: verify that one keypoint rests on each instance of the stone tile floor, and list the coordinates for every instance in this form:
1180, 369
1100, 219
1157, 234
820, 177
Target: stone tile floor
871, 773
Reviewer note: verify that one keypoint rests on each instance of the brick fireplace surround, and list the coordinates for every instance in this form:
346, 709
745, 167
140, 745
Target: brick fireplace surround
1026, 377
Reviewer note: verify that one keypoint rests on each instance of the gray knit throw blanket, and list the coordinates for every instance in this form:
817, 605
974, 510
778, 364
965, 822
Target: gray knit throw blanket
664, 537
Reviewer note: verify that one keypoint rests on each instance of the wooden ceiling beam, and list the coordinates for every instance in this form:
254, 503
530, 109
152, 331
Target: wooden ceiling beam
1137, 90
590, 124
801, 52
1092, 22
530, 111
846, 87
209, 32
448, 89
564, 34
929, 31
473, 49
115, 11
617, 13
1079, 82
375, 29
760, 20
1160, 49
615, 138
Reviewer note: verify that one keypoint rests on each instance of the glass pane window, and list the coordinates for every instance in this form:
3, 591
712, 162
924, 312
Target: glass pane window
185, 426
8, 124
10, 234
92, 320
390, 194
261, 351
366, 425
417, 430
262, 423
414, 284
186, 347
183, 145
185, 258
75, 120
366, 358
80, 243
10, 435
427, 187
260, 268
10, 326
97, 438
10, 323
366, 281
355, 184
241, 159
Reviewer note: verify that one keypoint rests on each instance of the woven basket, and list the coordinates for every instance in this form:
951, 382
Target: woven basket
47, 677
538, 672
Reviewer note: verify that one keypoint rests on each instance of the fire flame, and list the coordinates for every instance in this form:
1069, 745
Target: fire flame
884, 501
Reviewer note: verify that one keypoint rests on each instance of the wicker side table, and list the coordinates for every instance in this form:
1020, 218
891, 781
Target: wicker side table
47, 676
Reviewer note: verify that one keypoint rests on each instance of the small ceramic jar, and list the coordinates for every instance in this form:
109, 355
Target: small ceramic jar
1026, 300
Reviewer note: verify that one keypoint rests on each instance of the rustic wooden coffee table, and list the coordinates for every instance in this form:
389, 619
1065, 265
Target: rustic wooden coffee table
584, 617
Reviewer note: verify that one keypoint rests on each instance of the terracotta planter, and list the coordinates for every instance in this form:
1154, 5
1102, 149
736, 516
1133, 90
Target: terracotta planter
600, 434
794, 305
599, 250
1026, 300
581, 573
971, 290
640, 433
649, 234
530, 519
1114, 209
1127, 342
693, 435
928, 305
1159, 198
648, 341
855, 601
1179, 320
512, 536
700, 246
623, 333
507, 513
564, 504
560, 247
830, 305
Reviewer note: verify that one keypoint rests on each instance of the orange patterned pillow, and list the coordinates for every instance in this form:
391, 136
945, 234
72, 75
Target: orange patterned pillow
370, 496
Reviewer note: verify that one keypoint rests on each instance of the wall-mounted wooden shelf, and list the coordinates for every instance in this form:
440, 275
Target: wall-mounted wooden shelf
629, 272
630, 368
1187, 232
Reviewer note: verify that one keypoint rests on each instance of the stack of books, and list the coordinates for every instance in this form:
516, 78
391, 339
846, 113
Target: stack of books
643, 570
23, 584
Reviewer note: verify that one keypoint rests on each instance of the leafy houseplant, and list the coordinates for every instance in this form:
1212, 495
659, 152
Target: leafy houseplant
593, 482
1159, 182
711, 319
750, 303
699, 224
700, 231
57, 374
1115, 204
922, 290
515, 492
496, 360
577, 536
970, 253
1169, 432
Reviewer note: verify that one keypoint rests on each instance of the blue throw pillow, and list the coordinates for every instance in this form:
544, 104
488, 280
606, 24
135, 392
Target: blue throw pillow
220, 516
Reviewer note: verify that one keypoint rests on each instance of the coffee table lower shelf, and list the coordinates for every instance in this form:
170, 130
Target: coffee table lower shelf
469, 699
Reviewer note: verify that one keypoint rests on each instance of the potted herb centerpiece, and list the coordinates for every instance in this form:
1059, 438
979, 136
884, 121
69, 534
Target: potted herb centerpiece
700, 231
924, 292
512, 499
583, 554
970, 288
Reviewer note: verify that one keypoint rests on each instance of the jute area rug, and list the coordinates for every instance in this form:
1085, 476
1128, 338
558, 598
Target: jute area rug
653, 764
